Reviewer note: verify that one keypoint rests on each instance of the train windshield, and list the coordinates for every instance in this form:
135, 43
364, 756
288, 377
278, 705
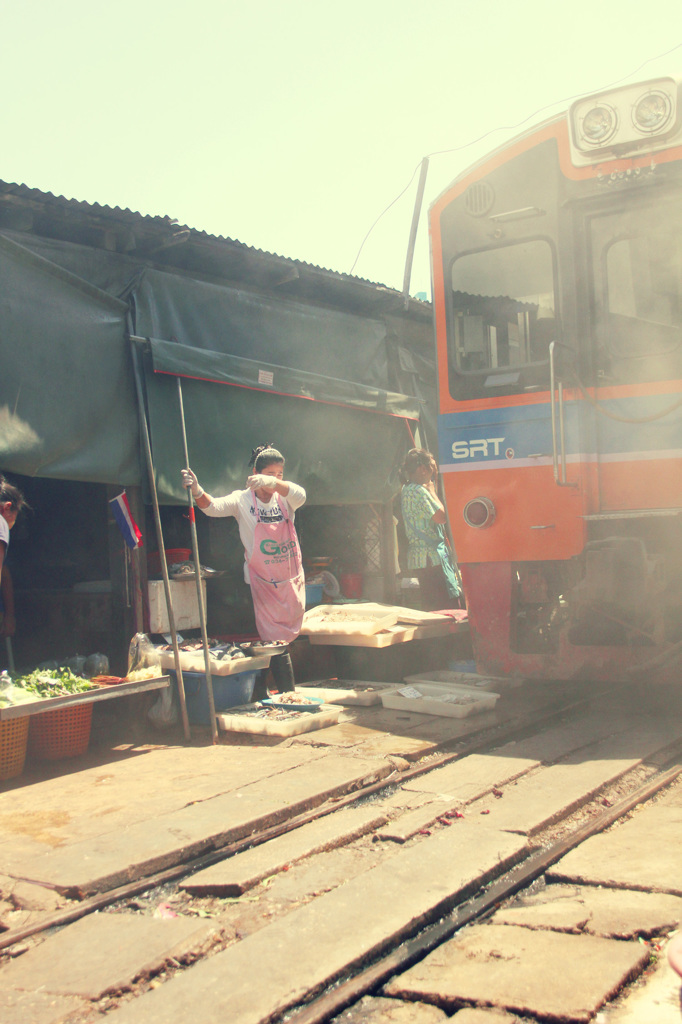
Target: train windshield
502, 317
637, 271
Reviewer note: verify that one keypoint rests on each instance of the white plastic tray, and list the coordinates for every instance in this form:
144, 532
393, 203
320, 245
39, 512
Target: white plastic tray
365, 618
438, 677
240, 721
193, 661
439, 700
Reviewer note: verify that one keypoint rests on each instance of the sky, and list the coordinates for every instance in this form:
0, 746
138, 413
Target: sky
293, 126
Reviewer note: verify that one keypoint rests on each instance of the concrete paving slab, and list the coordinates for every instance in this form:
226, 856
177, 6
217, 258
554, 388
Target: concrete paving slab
534, 803
672, 796
416, 821
151, 845
547, 974
642, 853
370, 741
476, 1015
334, 931
378, 1010
537, 801
36, 1007
657, 1001
237, 874
611, 913
320, 874
444, 731
402, 800
104, 953
474, 775
133, 785
577, 732
21, 903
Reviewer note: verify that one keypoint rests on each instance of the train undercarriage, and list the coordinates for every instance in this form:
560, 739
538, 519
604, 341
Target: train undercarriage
609, 611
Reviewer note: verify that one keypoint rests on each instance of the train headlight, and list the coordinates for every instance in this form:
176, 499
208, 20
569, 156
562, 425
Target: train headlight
628, 121
652, 111
479, 512
599, 124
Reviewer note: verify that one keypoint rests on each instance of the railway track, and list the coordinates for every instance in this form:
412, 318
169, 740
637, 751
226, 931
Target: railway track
516, 726
520, 878
571, 777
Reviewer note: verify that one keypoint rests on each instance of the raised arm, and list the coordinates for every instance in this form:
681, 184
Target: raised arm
259, 481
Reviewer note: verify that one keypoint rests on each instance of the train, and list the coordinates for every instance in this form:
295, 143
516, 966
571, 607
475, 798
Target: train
557, 290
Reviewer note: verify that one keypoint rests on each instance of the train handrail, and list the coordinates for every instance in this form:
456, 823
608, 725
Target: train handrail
558, 436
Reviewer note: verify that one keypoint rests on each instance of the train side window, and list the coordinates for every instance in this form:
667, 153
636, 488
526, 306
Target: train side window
502, 319
638, 279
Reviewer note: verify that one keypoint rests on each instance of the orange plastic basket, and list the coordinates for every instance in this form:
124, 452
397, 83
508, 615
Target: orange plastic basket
13, 737
64, 732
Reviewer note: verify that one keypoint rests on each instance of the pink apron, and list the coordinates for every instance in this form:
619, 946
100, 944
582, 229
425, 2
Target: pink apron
277, 580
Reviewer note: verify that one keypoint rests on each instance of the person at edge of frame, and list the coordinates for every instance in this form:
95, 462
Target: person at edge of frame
11, 503
273, 567
428, 551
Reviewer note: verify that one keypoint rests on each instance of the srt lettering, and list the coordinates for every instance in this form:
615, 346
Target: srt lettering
470, 449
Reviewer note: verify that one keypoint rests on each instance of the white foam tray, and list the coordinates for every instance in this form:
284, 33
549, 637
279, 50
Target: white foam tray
439, 700
307, 722
356, 692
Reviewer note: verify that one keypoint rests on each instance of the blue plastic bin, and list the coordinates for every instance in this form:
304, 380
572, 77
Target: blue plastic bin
228, 692
313, 594
462, 666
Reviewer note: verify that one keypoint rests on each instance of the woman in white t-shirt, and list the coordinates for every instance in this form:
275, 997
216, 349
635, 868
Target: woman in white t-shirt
265, 513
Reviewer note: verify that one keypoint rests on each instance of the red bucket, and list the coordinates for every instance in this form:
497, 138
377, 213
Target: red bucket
351, 584
172, 555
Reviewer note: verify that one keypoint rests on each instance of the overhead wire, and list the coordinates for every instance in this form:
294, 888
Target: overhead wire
392, 203
500, 128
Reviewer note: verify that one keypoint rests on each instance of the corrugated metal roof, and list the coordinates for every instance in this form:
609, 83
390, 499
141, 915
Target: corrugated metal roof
119, 216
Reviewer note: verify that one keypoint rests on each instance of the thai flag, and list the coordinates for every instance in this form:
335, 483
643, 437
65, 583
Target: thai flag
126, 524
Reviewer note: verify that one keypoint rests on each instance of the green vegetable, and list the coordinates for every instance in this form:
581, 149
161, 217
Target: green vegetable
53, 682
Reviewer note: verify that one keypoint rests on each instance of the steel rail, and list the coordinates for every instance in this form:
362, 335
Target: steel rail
519, 877
510, 730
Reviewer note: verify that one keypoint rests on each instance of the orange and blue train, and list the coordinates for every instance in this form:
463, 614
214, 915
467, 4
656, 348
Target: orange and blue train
557, 285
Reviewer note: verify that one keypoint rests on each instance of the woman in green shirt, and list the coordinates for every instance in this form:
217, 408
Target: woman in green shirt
428, 553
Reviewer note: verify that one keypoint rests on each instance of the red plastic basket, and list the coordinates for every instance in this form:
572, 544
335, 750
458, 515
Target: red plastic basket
13, 737
172, 555
64, 732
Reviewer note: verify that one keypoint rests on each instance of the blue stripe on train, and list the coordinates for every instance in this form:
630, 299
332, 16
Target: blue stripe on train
519, 432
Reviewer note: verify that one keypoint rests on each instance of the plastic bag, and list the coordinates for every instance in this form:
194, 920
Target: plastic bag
142, 654
76, 663
164, 711
96, 665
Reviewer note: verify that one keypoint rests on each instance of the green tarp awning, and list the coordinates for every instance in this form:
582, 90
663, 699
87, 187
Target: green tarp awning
67, 398
222, 368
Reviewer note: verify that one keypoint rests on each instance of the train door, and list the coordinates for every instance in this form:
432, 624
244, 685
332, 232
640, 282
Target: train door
632, 564
636, 267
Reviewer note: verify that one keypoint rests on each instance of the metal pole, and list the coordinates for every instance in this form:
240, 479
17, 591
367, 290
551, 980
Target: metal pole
10, 655
416, 213
197, 572
159, 539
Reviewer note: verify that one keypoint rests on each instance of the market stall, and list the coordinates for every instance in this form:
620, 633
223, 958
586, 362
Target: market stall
56, 727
